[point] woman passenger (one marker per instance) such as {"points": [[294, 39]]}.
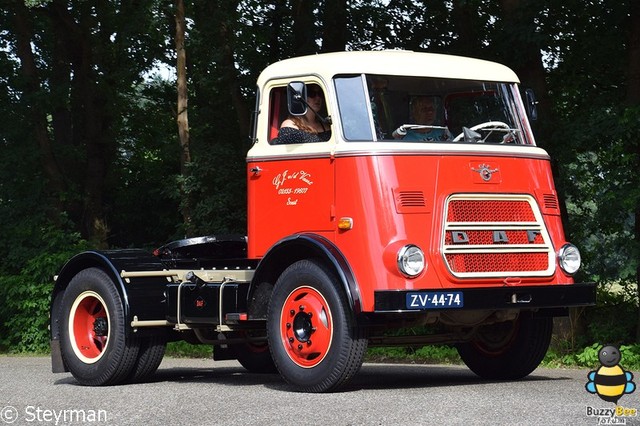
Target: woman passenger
{"points": [[308, 127]]}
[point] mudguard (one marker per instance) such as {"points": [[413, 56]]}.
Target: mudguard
{"points": [[142, 297], [298, 247]]}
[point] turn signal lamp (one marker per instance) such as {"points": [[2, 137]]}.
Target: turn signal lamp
{"points": [[345, 223]]}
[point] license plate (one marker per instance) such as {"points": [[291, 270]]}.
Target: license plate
{"points": [[435, 300]]}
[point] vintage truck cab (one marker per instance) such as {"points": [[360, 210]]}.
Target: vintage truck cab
{"points": [[423, 203]]}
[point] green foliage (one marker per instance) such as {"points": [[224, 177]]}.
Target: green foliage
{"points": [[187, 350], [215, 211], [143, 210], [630, 356], [614, 320], [24, 313], [588, 357], [418, 355], [445, 354], [35, 3]]}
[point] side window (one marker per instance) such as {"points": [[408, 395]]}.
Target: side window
{"points": [[352, 102], [277, 111], [311, 124]]}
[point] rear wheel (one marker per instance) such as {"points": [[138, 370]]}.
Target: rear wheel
{"points": [[149, 358], [255, 357], [93, 342], [508, 350], [314, 340]]}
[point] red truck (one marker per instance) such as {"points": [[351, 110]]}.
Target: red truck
{"points": [[447, 226]]}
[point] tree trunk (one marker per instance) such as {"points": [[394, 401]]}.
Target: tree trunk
{"points": [[334, 26], [182, 112], [468, 42], [526, 59], [225, 20], [275, 19], [231, 77], [32, 89], [304, 29]]}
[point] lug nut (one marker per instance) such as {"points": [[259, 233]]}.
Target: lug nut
{"points": [[292, 312], [288, 325], [309, 342], [301, 308], [290, 339], [300, 346]]}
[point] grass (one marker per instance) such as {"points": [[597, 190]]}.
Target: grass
{"points": [[411, 355], [422, 355], [187, 350], [555, 357]]}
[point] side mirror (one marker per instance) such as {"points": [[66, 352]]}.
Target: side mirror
{"points": [[531, 102], [296, 98]]}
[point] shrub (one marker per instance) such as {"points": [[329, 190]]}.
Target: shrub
{"points": [[630, 356], [614, 319], [24, 314]]}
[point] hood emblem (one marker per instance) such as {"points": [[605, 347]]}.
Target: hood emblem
{"points": [[485, 171]]}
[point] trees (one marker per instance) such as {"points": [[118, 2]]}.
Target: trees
{"points": [[89, 138], [78, 68]]}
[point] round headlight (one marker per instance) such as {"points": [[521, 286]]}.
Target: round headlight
{"points": [[411, 260], [569, 258]]}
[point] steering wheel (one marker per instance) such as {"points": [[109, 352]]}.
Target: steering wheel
{"points": [[491, 124]]}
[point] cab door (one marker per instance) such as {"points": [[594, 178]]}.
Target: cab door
{"points": [[290, 187]]}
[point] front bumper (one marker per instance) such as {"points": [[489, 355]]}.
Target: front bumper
{"points": [[497, 298]]}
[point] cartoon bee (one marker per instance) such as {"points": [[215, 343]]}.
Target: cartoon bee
{"points": [[610, 381]]}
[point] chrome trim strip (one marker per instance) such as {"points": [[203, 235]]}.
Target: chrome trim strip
{"points": [[282, 157], [528, 154]]}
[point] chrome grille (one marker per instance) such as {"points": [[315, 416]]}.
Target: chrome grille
{"points": [[496, 236]]}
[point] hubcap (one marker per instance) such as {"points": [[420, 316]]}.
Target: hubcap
{"points": [[306, 327], [89, 327]]}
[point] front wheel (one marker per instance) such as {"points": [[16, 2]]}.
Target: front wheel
{"points": [[93, 341], [313, 338], [508, 350]]}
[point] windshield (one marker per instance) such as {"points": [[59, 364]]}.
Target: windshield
{"points": [[419, 109]]}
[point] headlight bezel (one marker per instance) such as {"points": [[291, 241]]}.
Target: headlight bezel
{"points": [[569, 259], [411, 261]]}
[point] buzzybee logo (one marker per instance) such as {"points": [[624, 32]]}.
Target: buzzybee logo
{"points": [[610, 381]]}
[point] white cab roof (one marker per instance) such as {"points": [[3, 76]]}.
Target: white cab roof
{"points": [[389, 62]]}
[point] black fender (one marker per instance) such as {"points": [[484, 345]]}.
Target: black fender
{"points": [[290, 250], [143, 297]]}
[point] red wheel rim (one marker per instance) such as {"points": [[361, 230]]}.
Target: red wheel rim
{"points": [[89, 326], [306, 327]]}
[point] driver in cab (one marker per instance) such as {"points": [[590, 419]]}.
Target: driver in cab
{"points": [[423, 114]]}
